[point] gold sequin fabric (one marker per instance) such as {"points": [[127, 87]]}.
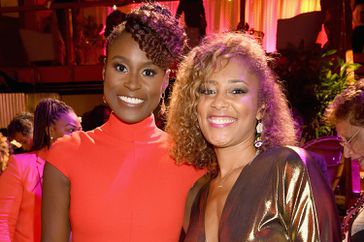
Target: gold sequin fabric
{"points": [[278, 197]]}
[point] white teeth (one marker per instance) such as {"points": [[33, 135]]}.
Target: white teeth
{"points": [[131, 100], [221, 120]]}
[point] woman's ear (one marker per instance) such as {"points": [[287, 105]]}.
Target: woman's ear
{"points": [[50, 131], [166, 80], [103, 72]]}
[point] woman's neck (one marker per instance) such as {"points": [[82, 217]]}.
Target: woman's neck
{"points": [[230, 158]]}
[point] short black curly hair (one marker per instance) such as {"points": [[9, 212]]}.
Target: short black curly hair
{"points": [[22, 123], [157, 32]]}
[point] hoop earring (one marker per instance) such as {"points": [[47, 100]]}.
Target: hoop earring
{"points": [[163, 105], [258, 142]]}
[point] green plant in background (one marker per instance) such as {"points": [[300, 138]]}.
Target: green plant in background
{"points": [[312, 78], [298, 69], [334, 76]]}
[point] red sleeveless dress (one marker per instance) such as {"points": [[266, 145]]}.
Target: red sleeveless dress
{"points": [[124, 185]]}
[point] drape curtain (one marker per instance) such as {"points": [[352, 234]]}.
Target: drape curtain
{"points": [[221, 15], [262, 15], [14, 103]]}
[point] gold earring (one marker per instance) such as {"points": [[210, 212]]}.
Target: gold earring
{"points": [[163, 105]]}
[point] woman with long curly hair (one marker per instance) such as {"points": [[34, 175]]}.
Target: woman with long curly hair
{"points": [[229, 115], [117, 182]]}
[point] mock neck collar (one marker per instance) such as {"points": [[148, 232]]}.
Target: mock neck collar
{"points": [[145, 130]]}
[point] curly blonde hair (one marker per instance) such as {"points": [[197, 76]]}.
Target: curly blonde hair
{"points": [[157, 32], [188, 143], [4, 153], [348, 105]]}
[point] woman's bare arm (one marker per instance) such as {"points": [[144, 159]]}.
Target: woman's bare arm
{"points": [[55, 206]]}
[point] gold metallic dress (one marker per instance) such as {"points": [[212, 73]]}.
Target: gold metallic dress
{"points": [[278, 197]]}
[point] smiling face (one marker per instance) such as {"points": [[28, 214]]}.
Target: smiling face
{"points": [[133, 84], [228, 104], [66, 124], [353, 140]]}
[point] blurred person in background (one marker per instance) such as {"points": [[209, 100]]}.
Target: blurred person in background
{"points": [[115, 18], [194, 18], [95, 117], [4, 152], [20, 129], [346, 113], [21, 182]]}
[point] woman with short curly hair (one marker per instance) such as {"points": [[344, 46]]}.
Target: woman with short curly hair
{"points": [[117, 182], [20, 129], [228, 114], [346, 113]]}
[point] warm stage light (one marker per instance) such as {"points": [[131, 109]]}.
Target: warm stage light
{"points": [[114, 7]]}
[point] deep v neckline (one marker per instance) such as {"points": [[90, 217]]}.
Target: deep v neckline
{"points": [[228, 198]]}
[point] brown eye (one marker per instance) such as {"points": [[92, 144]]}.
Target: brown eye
{"points": [[120, 68], [149, 72], [206, 91], [239, 91]]}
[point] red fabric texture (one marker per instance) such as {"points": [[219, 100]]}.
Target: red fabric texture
{"points": [[124, 186], [20, 198]]}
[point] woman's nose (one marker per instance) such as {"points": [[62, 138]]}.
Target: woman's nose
{"points": [[132, 82], [348, 153], [220, 101]]}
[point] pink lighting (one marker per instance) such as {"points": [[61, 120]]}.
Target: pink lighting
{"points": [[263, 15]]}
